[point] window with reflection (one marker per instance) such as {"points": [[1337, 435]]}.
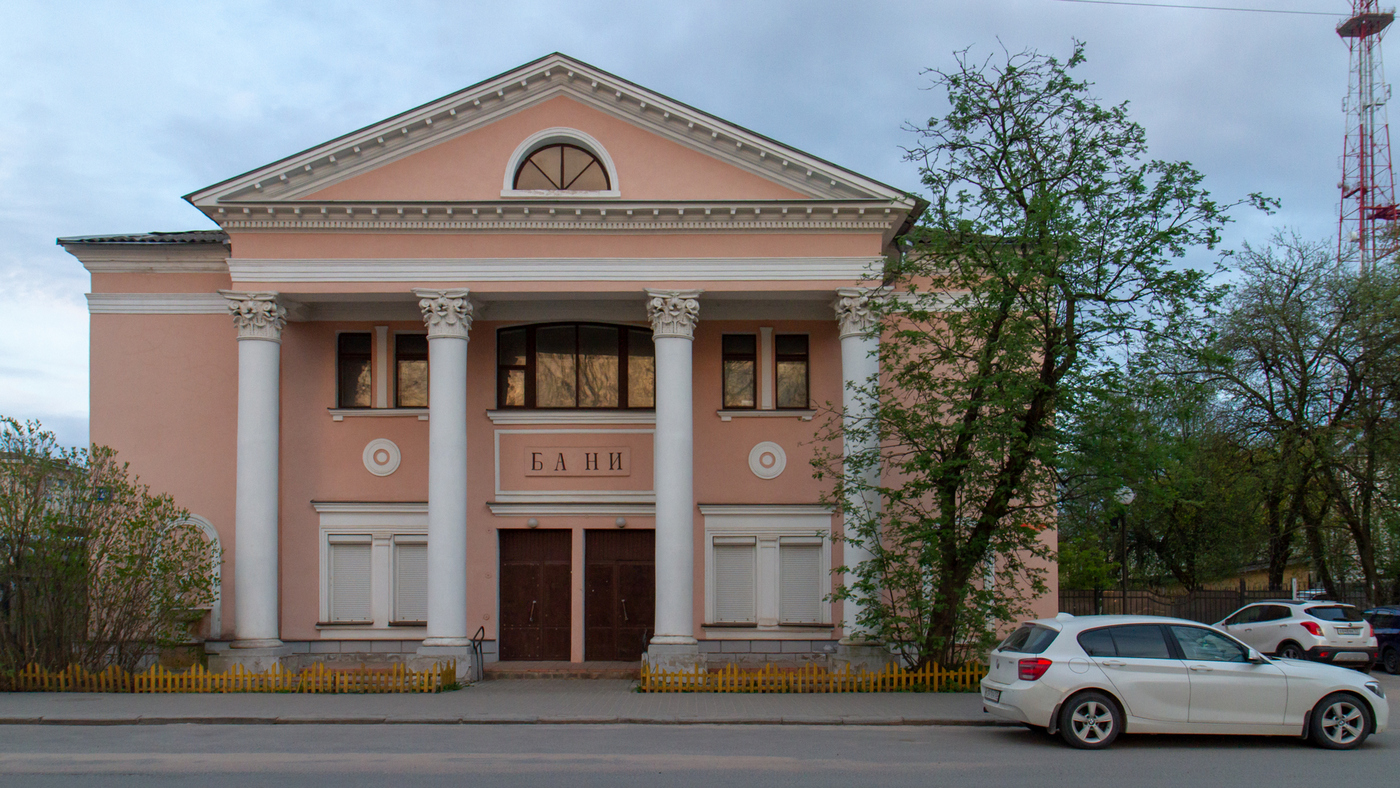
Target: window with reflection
{"points": [[562, 167], [740, 371], [790, 356], [410, 371], [575, 365], [352, 364]]}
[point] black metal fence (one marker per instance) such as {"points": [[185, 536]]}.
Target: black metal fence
{"points": [[1204, 606]]}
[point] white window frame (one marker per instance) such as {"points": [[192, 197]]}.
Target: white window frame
{"points": [[769, 526], [382, 524], [559, 134]]}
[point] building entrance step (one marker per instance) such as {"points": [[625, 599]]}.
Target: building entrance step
{"points": [[554, 669]]}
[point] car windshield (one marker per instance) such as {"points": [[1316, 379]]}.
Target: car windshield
{"points": [[1335, 613], [1029, 640]]}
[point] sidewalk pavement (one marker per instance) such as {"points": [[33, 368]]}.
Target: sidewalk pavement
{"points": [[498, 702]]}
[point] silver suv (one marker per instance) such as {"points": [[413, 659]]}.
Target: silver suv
{"points": [[1306, 629]]}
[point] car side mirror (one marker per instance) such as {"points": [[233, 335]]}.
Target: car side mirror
{"points": [[1255, 658]]}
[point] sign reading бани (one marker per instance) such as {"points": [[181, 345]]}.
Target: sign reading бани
{"points": [[578, 461]]}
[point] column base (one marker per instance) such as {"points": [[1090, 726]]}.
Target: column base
{"points": [[430, 655], [859, 655], [251, 659], [673, 654]]}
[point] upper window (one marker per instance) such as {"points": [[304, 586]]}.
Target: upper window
{"points": [[741, 371], [561, 167], [353, 370], [575, 365], [410, 371]]}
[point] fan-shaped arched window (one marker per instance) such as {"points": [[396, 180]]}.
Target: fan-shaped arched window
{"points": [[562, 167]]}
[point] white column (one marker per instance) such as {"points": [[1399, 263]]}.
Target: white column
{"points": [[259, 320], [448, 316], [674, 314], [860, 362]]}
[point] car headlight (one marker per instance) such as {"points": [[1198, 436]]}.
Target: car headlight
{"points": [[1375, 689]]}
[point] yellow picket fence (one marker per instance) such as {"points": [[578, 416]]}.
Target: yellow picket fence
{"points": [[892, 678], [317, 678]]}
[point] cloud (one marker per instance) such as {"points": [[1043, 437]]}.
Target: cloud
{"points": [[114, 111]]}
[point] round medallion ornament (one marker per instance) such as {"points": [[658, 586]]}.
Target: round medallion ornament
{"points": [[767, 460], [381, 457]]}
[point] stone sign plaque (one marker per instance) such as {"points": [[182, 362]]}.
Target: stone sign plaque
{"points": [[578, 461]]}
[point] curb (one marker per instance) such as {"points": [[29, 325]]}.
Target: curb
{"points": [[824, 721]]}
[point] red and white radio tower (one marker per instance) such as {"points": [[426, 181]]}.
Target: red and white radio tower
{"points": [[1365, 231]]}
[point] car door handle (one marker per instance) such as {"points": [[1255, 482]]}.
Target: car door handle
{"points": [[1112, 663], [1202, 668]]}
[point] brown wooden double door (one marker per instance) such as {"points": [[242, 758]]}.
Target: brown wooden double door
{"points": [[619, 604], [536, 566]]}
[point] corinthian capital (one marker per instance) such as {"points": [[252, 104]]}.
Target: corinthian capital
{"points": [[446, 313], [853, 311], [673, 313], [256, 315]]}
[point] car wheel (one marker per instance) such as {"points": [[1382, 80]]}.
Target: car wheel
{"points": [[1291, 651], [1340, 721], [1391, 660], [1090, 721]]}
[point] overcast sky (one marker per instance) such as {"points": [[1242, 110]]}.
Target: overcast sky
{"points": [[109, 112]]}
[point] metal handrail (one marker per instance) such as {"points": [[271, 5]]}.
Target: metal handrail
{"points": [[478, 667]]}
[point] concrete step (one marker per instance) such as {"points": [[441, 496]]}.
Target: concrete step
{"points": [[562, 670]]}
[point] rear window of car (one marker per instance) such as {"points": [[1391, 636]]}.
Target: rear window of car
{"points": [[1138, 641], [1029, 640], [1335, 613]]}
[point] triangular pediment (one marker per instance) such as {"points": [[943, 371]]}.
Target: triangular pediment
{"points": [[664, 150]]}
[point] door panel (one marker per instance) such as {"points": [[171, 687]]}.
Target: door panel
{"points": [[1137, 659], [620, 593], [535, 600], [1225, 686], [1153, 689]]}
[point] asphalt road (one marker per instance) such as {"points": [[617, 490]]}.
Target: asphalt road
{"points": [[577, 756]]}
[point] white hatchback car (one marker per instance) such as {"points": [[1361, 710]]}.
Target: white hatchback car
{"points": [[1092, 678]]}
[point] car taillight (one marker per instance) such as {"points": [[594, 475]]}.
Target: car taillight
{"points": [[1032, 669], [1370, 633], [1312, 628]]}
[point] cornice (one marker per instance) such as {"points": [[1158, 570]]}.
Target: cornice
{"points": [[564, 216], [157, 304], [531, 84], [151, 258], [518, 269]]}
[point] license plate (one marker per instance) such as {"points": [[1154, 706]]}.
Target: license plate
{"points": [[992, 695], [1351, 656], [1348, 630]]}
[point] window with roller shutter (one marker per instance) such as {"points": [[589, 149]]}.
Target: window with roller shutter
{"points": [[768, 568], [800, 576], [734, 580], [410, 580], [351, 583]]}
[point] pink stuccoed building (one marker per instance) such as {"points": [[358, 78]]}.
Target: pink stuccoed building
{"points": [[541, 362]]}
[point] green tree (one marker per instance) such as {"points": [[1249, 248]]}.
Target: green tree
{"points": [[1049, 247], [1307, 356], [95, 570]]}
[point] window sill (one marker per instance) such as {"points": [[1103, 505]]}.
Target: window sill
{"points": [[572, 416], [339, 414], [793, 413]]}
